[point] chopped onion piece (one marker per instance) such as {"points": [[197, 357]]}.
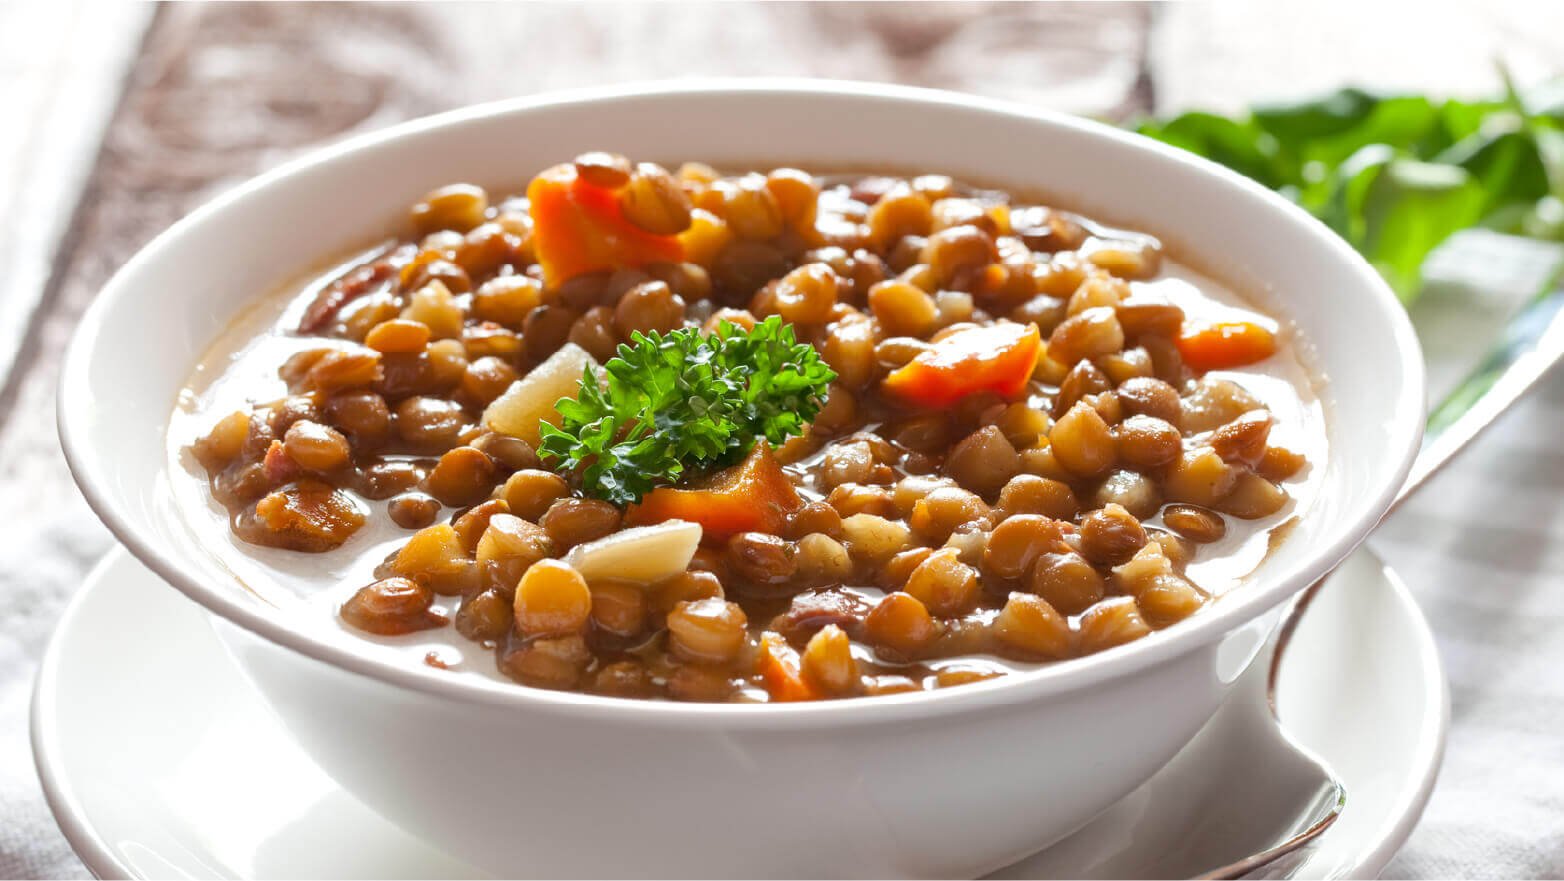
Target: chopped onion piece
{"points": [[645, 554]]}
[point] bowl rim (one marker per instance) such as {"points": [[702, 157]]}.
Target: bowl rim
{"points": [[1406, 414]]}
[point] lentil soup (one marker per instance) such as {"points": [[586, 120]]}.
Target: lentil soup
{"points": [[755, 437]]}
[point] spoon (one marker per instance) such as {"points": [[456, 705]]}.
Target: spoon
{"points": [[1532, 343]]}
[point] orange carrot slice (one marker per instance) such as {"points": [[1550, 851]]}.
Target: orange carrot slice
{"points": [[752, 496], [997, 358], [578, 228], [1226, 344], [781, 671]]}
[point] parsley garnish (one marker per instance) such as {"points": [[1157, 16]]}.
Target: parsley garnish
{"points": [[681, 403]]}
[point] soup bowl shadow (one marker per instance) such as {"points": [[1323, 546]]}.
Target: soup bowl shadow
{"points": [[525, 781]]}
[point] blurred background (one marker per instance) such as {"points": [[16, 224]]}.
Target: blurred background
{"points": [[120, 118]]}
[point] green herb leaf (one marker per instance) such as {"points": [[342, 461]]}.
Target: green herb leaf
{"points": [[1401, 209], [1397, 175], [1303, 121], [680, 403], [1238, 144]]}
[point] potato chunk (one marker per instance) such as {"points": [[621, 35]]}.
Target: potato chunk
{"points": [[530, 400]]}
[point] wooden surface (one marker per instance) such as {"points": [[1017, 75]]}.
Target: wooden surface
{"points": [[65, 54], [217, 93]]}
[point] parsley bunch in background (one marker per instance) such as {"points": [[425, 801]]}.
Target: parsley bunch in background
{"points": [[1395, 175], [676, 404]]}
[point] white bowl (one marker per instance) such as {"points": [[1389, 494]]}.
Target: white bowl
{"points": [[520, 780]]}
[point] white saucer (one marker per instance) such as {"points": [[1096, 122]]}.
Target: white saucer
{"points": [[160, 762]]}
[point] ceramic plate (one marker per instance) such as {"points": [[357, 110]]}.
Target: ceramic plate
{"points": [[160, 762]]}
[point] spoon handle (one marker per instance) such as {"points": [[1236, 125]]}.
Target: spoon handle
{"points": [[1533, 341]]}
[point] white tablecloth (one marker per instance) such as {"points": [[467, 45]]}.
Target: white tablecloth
{"points": [[1483, 550]]}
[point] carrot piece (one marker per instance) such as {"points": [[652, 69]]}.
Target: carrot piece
{"points": [[578, 228], [997, 358], [278, 466], [752, 496], [781, 671], [1225, 344]]}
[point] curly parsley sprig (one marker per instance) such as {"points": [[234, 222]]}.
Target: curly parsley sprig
{"points": [[680, 403]]}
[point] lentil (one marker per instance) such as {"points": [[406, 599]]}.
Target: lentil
{"points": [[1013, 516]]}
